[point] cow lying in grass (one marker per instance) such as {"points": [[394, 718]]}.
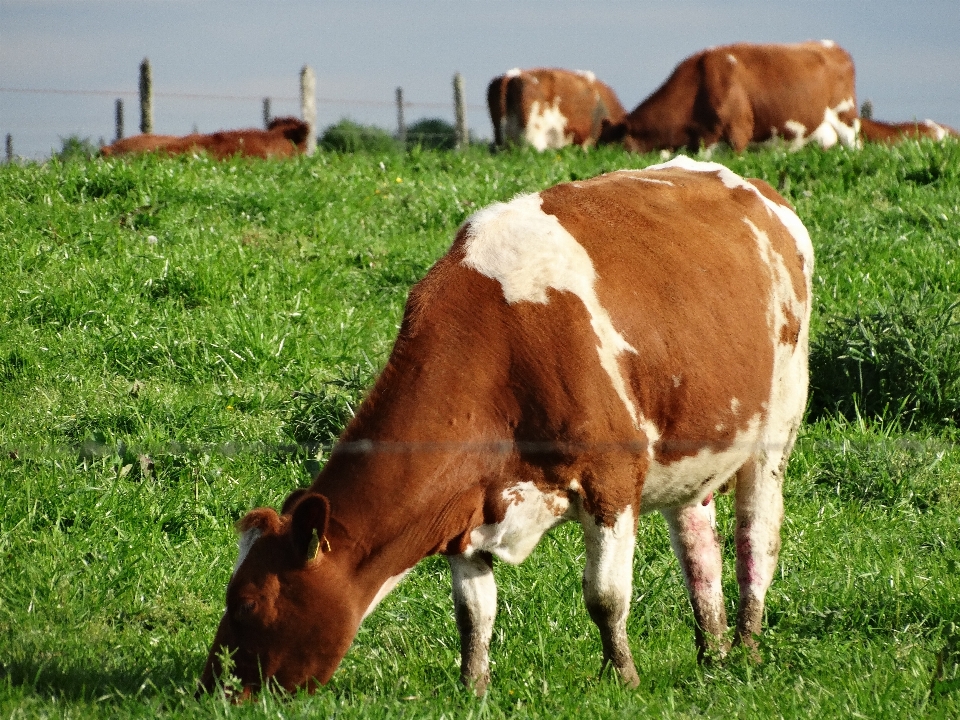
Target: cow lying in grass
{"points": [[889, 133], [285, 137], [595, 351], [741, 94]]}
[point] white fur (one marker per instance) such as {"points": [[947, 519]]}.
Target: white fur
{"points": [[588, 75], [528, 252], [384, 590], [546, 126], [247, 539], [530, 513], [731, 59], [939, 132], [828, 43], [512, 73]]}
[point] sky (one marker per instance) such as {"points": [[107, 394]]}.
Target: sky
{"points": [[63, 63]]}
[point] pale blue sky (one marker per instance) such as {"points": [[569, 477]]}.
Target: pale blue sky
{"points": [[907, 54]]}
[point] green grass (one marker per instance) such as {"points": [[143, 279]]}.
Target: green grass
{"points": [[181, 336]]}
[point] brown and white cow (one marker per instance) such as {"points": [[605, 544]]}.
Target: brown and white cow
{"points": [[592, 352], [883, 132], [550, 107], [741, 94], [284, 137]]}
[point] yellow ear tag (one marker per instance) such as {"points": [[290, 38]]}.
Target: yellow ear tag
{"points": [[313, 549]]}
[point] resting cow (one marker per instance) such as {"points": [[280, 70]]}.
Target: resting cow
{"points": [[889, 133], [595, 351], [742, 94], [285, 137], [550, 108]]}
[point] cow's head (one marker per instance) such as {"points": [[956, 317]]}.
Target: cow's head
{"points": [[293, 129], [291, 610]]}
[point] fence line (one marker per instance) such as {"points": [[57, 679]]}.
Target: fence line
{"points": [[244, 98]]}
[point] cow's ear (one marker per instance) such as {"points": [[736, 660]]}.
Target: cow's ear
{"points": [[309, 526]]}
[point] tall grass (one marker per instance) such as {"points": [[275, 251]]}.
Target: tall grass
{"points": [[182, 338]]}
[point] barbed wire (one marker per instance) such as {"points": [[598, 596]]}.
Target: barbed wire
{"points": [[243, 98], [91, 449]]}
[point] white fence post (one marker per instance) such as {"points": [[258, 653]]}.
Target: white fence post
{"points": [[146, 97], [308, 106], [460, 112]]}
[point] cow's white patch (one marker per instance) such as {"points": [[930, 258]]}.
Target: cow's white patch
{"points": [[734, 406], [692, 478], [546, 125], [587, 75], [512, 73], [731, 59], [247, 539], [384, 590], [530, 513], [475, 589], [528, 252], [798, 130], [833, 129], [608, 571], [939, 132], [828, 43]]}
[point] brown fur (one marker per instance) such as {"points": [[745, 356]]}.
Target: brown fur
{"points": [[285, 137], [883, 132], [583, 102], [479, 394], [709, 99]]}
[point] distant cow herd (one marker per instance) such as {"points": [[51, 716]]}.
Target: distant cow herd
{"points": [[735, 94]]}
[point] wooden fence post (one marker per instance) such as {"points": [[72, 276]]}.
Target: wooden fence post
{"points": [[460, 112], [401, 123], [308, 106], [9, 148], [866, 110], [146, 97], [118, 118], [266, 113]]}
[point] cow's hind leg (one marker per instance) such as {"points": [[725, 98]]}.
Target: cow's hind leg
{"points": [[758, 503], [607, 584], [475, 602], [693, 536]]}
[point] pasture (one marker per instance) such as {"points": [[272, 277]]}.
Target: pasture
{"points": [[182, 339]]}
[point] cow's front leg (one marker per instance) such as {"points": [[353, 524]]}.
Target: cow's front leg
{"points": [[475, 602], [607, 583], [693, 536], [759, 511]]}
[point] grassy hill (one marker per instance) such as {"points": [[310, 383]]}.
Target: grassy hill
{"points": [[181, 339]]}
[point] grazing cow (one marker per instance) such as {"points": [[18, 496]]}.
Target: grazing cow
{"points": [[598, 350], [747, 93], [890, 133], [550, 108], [285, 137]]}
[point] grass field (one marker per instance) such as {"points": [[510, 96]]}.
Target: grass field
{"points": [[179, 337]]}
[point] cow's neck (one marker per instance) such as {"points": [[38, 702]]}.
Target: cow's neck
{"points": [[406, 479]]}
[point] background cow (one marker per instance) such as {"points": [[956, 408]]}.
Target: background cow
{"points": [[591, 352], [747, 93], [889, 133], [550, 108], [285, 137]]}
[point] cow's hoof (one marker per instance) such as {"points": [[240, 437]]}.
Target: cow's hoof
{"points": [[751, 648]]}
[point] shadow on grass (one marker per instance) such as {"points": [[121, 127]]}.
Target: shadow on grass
{"points": [[50, 679]]}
